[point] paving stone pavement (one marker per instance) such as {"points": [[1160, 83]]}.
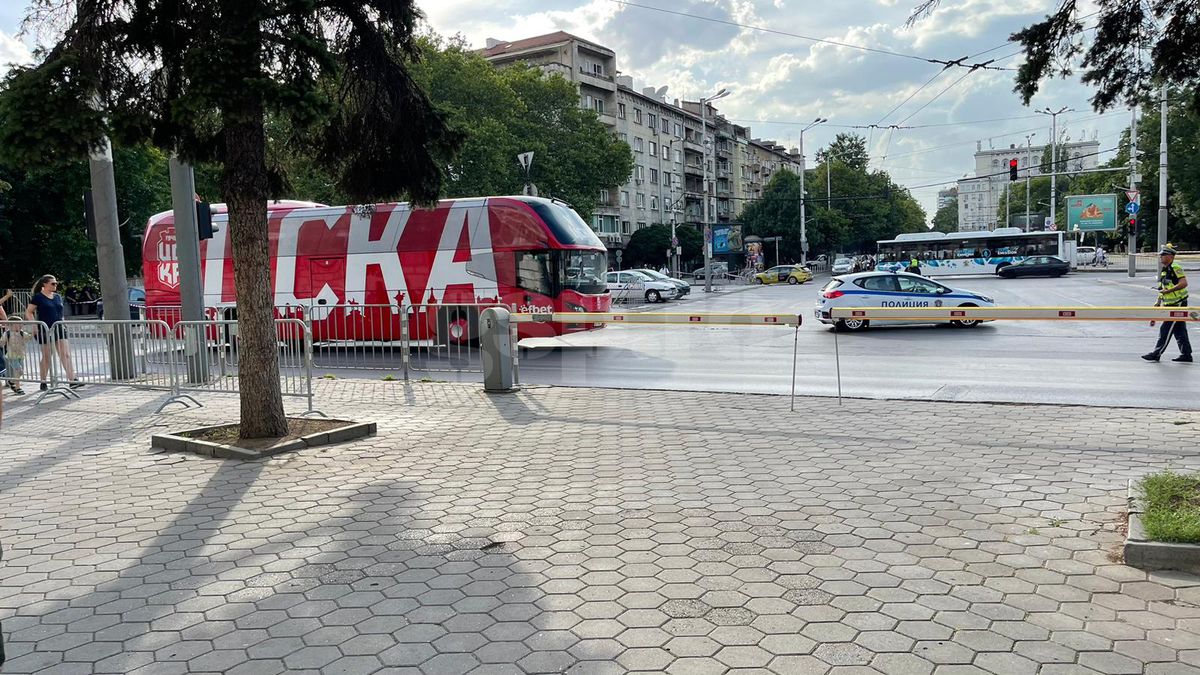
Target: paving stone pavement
{"points": [[585, 531]]}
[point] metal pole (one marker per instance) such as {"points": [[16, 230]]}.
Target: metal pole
{"points": [[1008, 205], [1162, 169], [187, 251], [1028, 171], [1053, 167], [795, 352], [803, 224], [110, 256], [1133, 176], [707, 229], [837, 360]]}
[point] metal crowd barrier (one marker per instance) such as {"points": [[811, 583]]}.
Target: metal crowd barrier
{"points": [[112, 353], [21, 337], [359, 337], [445, 338], [207, 360]]}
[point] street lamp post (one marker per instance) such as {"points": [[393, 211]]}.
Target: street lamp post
{"points": [[1028, 169], [671, 193], [707, 227], [803, 222], [1054, 158]]}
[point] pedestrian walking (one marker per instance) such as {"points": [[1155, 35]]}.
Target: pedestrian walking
{"points": [[46, 305], [664, 271], [1172, 292], [13, 342]]}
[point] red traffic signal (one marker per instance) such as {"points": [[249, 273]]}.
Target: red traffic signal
{"points": [[1012, 169]]}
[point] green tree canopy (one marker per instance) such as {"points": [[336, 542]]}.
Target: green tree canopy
{"points": [[946, 218], [861, 208]]}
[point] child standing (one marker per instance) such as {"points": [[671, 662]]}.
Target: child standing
{"points": [[13, 341]]}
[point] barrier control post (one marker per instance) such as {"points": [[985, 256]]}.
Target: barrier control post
{"points": [[496, 347]]}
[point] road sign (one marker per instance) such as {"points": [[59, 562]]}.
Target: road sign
{"points": [[674, 241], [1092, 213], [1133, 195], [620, 254], [1132, 207], [526, 159]]}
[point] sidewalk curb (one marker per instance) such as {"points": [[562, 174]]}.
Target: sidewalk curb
{"points": [[1144, 554]]}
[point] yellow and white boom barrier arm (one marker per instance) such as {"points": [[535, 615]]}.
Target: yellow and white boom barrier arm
{"points": [[661, 318], [1017, 313]]}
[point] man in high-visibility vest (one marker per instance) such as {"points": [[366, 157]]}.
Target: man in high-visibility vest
{"points": [[1172, 292]]}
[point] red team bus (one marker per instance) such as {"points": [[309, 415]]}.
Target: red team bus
{"points": [[356, 269]]}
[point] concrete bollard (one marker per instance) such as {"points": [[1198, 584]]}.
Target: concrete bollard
{"points": [[496, 347]]}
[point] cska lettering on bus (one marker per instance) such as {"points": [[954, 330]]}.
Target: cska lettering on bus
{"points": [[522, 251]]}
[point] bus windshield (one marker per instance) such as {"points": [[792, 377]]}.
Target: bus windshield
{"points": [[583, 271], [566, 225]]}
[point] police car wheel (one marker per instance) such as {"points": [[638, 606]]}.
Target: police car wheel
{"points": [[851, 325], [968, 323]]}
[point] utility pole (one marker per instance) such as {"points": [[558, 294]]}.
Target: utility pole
{"points": [[1028, 171], [1133, 185], [708, 235], [1162, 169], [110, 258], [187, 251], [1054, 159], [803, 196]]}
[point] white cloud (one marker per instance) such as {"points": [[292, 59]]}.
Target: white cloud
{"points": [[780, 80], [12, 52]]}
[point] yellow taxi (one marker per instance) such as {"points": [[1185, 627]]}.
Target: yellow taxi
{"points": [[792, 274]]}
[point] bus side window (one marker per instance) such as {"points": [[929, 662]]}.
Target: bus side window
{"points": [[533, 272]]}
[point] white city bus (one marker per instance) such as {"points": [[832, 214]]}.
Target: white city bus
{"points": [[969, 253]]}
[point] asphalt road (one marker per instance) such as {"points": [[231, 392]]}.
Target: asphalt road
{"points": [[1084, 363]]}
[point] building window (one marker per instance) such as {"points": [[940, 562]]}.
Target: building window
{"points": [[623, 137], [639, 172], [637, 144], [604, 197], [621, 110], [624, 227], [597, 70], [678, 156], [653, 203], [678, 130], [666, 152], [654, 176], [637, 115], [666, 126], [651, 120], [667, 178], [640, 201], [625, 198], [654, 149], [641, 225]]}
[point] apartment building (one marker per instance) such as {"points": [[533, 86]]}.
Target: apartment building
{"points": [[980, 196], [667, 137]]}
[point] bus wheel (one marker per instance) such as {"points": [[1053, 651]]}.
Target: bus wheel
{"points": [[851, 325], [966, 323]]}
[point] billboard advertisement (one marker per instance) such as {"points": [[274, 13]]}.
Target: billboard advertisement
{"points": [[1091, 213], [727, 239]]}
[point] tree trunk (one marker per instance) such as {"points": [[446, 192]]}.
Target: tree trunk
{"points": [[245, 178], [245, 185]]}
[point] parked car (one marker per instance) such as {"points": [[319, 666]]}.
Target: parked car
{"points": [[682, 286], [792, 274], [137, 303], [631, 285], [719, 269], [1085, 255], [1036, 266]]}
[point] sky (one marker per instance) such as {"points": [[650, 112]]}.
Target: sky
{"points": [[780, 81]]}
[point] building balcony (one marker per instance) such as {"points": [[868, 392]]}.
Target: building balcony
{"points": [[693, 146], [607, 118], [598, 80], [693, 169]]}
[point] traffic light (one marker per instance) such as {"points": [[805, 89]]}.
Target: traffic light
{"points": [[1012, 169]]}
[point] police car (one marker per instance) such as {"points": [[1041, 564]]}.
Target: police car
{"points": [[891, 289]]}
